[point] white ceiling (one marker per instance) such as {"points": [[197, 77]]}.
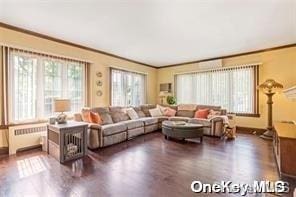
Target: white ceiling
{"points": [[159, 32]]}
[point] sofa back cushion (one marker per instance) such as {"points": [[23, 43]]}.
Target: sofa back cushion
{"points": [[187, 107], [185, 113], [106, 118], [139, 112], [145, 109], [100, 110], [213, 107], [118, 116]]}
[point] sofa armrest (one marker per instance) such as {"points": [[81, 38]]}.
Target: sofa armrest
{"points": [[94, 136], [199, 121]]}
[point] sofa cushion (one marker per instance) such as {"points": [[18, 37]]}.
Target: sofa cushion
{"points": [[106, 118], [213, 107], [185, 113], [162, 118], [131, 124], [115, 108], [187, 107], [111, 129], [149, 120], [145, 109], [100, 110], [204, 122], [118, 116], [178, 118], [139, 112]]}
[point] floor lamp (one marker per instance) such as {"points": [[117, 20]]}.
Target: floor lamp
{"points": [[269, 88]]}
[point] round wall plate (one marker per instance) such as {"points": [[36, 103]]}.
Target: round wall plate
{"points": [[99, 83], [99, 74], [99, 93]]}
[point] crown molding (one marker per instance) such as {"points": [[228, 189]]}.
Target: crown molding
{"points": [[32, 33], [29, 32], [230, 56]]}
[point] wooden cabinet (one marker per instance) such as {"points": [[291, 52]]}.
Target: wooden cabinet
{"points": [[284, 144]]}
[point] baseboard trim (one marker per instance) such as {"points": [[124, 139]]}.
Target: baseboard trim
{"points": [[29, 148], [4, 151], [250, 130]]}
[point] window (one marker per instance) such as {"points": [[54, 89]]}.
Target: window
{"points": [[36, 80], [128, 88], [232, 88]]}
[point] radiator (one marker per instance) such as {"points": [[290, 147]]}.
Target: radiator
{"points": [[25, 136]]}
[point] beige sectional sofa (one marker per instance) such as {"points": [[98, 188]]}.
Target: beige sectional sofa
{"points": [[117, 127]]}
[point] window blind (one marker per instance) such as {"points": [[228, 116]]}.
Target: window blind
{"points": [[127, 88], [232, 88], [35, 80]]}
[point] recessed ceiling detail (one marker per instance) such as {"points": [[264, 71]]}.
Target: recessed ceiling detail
{"points": [[159, 32]]}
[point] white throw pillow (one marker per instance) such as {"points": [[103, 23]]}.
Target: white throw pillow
{"points": [[132, 113], [161, 108], [155, 112]]}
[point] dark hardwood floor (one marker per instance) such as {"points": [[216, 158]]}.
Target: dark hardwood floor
{"points": [[145, 166]]}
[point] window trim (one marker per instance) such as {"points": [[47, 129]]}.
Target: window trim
{"points": [[256, 113], [128, 71]]}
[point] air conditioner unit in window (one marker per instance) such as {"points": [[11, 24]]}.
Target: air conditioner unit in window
{"points": [[208, 65]]}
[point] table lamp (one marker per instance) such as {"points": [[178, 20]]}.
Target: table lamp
{"points": [[62, 105], [162, 95], [269, 88]]}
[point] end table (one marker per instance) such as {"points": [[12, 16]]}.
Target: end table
{"points": [[67, 141]]}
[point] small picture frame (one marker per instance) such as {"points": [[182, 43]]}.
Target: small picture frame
{"points": [[99, 93], [99, 74]]}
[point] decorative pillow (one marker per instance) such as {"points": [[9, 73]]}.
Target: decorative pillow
{"points": [[155, 112], [169, 112], [215, 113], [106, 118], [95, 118], [132, 113], [161, 108], [202, 113], [145, 109], [85, 115]]}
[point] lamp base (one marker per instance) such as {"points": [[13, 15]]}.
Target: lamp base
{"points": [[267, 135], [61, 118]]}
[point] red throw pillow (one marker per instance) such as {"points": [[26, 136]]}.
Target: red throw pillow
{"points": [[169, 112], [95, 118], [202, 113]]}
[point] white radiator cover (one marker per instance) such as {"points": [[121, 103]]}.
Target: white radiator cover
{"points": [[23, 136]]}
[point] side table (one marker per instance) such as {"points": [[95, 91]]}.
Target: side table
{"points": [[67, 141]]}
